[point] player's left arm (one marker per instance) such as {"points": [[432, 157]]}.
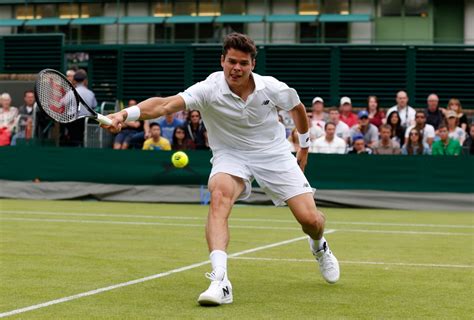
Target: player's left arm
{"points": [[298, 113]]}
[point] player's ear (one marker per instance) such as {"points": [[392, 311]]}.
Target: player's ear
{"points": [[253, 64], [222, 60]]}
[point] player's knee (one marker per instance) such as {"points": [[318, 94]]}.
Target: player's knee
{"points": [[314, 221], [220, 198]]}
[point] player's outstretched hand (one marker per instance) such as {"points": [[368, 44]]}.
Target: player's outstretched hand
{"points": [[118, 120], [302, 158]]}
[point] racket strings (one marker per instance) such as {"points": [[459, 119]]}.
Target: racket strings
{"points": [[56, 97]]}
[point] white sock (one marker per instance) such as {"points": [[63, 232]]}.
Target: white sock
{"points": [[317, 245], [219, 263]]}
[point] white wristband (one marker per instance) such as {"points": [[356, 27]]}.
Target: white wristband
{"points": [[304, 140], [133, 113]]}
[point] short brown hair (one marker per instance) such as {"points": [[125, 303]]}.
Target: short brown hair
{"points": [[239, 41]]}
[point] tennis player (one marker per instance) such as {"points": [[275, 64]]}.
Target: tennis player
{"points": [[239, 109]]}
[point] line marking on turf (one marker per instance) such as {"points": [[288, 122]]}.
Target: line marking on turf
{"points": [[402, 264], [231, 226], [234, 219], [152, 277]]}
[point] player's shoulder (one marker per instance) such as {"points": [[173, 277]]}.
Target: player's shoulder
{"points": [[214, 78], [269, 81]]}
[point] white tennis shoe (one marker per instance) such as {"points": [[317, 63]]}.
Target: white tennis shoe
{"points": [[328, 264], [219, 292]]}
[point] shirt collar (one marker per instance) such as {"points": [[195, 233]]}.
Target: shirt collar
{"points": [[259, 84]]}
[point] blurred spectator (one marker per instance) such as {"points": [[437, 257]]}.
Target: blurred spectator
{"points": [[314, 131], [196, 131], [28, 103], [398, 134], [376, 116], [358, 146], [181, 115], [130, 129], [386, 145], [468, 146], [8, 119], [455, 105], [287, 121], [180, 141], [74, 135], [156, 142], [366, 129], [319, 117], [434, 116], [414, 144], [168, 123], [347, 116], [294, 142], [70, 75], [426, 130], [445, 146], [329, 143], [455, 132], [405, 112], [342, 129]]}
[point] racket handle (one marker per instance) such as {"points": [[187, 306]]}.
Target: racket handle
{"points": [[103, 120]]}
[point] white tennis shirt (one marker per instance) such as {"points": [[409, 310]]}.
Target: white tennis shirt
{"points": [[234, 124]]}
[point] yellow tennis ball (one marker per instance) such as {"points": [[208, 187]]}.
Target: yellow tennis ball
{"points": [[179, 159]]}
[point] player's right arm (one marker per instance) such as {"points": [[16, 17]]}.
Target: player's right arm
{"points": [[148, 109]]}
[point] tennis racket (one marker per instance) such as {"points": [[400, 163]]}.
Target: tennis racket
{"points": [[58, 98]]}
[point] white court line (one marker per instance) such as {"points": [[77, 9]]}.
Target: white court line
{"points": [[152, 277], [232, 226], [234, 219], [401, 264]]}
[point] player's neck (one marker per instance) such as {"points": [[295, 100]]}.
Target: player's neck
{"points": [[244, 90]]}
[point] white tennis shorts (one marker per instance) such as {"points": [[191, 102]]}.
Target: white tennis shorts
{"points": [[278, 175]]}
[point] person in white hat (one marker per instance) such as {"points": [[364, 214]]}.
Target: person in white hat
{"points": [[347, 116], [319, 117]]}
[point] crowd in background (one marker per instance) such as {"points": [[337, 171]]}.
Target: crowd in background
{"points": [[399, 130]]}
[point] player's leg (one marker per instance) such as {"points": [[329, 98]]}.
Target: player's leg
{"points": [[225, 190], [312, 222]]}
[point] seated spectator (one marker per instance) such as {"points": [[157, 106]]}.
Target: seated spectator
{"points": [[25, 119], [156, 142], [287, 121], [398, 134], [342, 129], [405, 112], [319, 117], [386, 145], [168, 123], [468, 146], [70, 75], [294, 141], [329, 143], [426, 130], [314, 131], [180, 141], [433, 114], [129, 130], [414, 144], [347, 116], [455, 105], [366, 129], [358, 146], [196, 131], [376, 116], [455, 132], [445, 146], [8, 119]]}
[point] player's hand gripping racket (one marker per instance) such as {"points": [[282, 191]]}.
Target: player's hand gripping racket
{"points": [[56, 96]]}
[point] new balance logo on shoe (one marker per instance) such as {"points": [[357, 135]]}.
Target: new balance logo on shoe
{"points": [[226, 291], [264, 103]]}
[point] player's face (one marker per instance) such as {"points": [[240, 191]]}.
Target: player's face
{"points": [[237, 67]]}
